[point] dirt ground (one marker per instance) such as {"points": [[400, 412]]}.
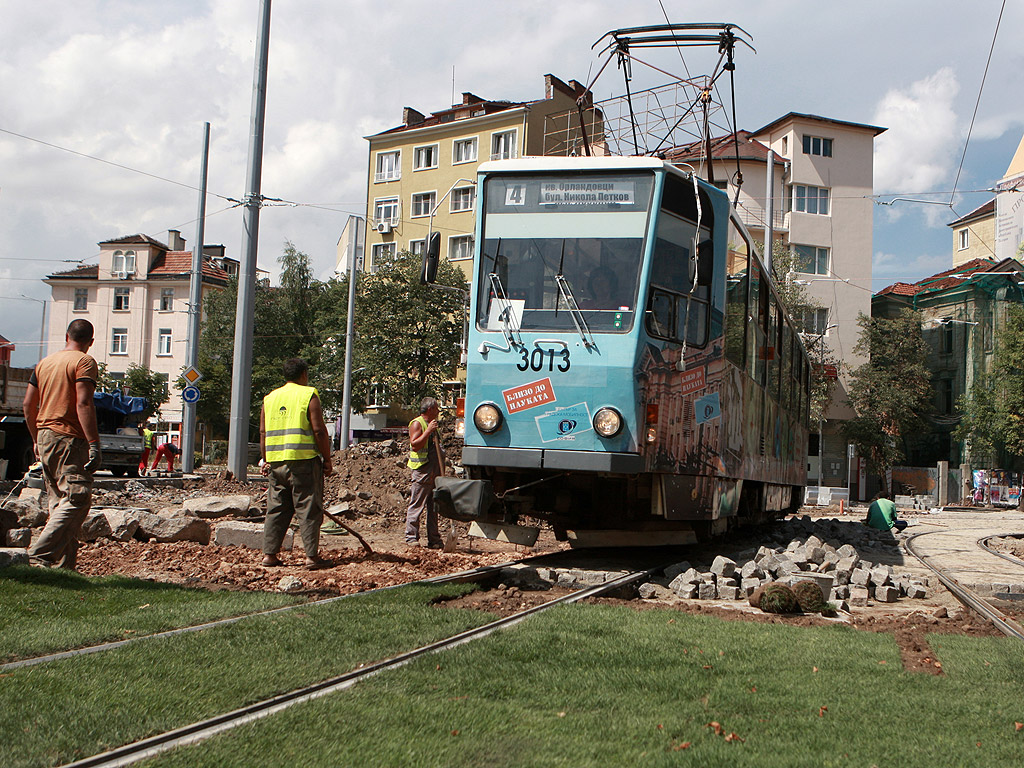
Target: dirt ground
{"points": [[371, 483]]}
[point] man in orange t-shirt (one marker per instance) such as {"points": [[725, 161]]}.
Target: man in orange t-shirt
{"points": [[61, 417]]}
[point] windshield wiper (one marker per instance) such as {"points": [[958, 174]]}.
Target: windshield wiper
{"points": [[507, 315], [574, 310]]}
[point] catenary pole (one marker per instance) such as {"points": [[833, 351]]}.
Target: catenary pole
{"points": [[241, 379], [346, 398], [769, 210], [195, 308]]}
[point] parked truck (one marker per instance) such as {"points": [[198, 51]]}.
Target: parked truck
{"points": [[117, 418], [15, 440]]}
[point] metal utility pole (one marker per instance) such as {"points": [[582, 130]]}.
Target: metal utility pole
{"points": [[241, 380], [350, 337], [195, 300], [769, 212]]}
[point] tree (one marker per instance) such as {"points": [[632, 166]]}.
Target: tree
{"points": [[138, 381], [891, 393], [283, 327], [408, 334], [992, 412]]}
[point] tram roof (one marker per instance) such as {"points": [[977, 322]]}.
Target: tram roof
{"points": [[552, 163]]}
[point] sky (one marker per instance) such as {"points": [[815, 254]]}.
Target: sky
{"points": [[104, 103]]}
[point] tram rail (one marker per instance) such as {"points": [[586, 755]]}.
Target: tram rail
{"points": [[967, 596], [474, 574], [196, 732]]}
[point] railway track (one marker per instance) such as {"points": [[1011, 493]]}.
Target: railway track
{"points": [[965, 594], [475, 574], [195, 732]]}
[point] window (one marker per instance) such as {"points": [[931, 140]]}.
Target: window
{"points": [[464, 151], [380, 254], [417, 247], [815, 145], [462, 199], [165, 381], [460, 247], [124, 261], [964, 239], [944, 396], [385, 210], [503, 145], [389, 166], [805, 199], [814, 321], [946, 337], [122, 299], [424, 157], [166, 299], [785, 146], [164, 342], [81, 299], [377, 396], [737, 268], [119, 341], [811, 259], [423, 203]]}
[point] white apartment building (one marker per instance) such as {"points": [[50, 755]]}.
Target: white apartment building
{"points": [[137, 298], [822, 182]]}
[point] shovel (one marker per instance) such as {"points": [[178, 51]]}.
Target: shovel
{"points": [[338, 521], [453, 535]]}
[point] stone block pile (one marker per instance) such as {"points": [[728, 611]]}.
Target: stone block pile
{"points": [[835, 554], [22, 519]]}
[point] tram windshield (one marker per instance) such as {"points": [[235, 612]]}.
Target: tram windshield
{"points": [[558, 248]]}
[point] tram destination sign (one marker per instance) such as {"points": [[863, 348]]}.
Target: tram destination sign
{"points": [[597, 192]]}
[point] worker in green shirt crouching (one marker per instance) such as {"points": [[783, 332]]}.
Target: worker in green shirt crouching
{"points": [[882, 514]]}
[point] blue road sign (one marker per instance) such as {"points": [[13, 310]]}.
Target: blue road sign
{"points": [[190, 394]]}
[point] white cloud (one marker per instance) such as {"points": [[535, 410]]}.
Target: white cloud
{"points": [[918, 152]]}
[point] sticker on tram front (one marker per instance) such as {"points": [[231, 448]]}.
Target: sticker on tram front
{"points": [[528, 396], [564, 423]]}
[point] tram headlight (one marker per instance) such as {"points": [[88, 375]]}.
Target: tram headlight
{"points": [[487, 418], [607, 422]]}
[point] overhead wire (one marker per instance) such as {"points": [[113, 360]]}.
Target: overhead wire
{"points": [[977, 102]]}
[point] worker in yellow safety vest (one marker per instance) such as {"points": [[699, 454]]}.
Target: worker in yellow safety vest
{"points": [[426, 460], [296, 456]]}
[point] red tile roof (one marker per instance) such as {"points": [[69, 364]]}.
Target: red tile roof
{"points": [[950, 278], [986, 209], [85, 271], [177, 263], [722, 148]]}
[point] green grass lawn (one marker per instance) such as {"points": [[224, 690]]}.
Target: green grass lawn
{"points": [[47, 610], [61, 711], [606, 686]]}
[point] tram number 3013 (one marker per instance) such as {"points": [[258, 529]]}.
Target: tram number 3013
{"points": [[536, 359]]}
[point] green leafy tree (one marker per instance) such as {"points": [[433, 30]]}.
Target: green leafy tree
{"points": [[138, 381], [891, 393], [992, 412], [283, 327], [408, 335]]}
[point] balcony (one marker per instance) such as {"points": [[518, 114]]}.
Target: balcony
{"points": [[753, 218]]}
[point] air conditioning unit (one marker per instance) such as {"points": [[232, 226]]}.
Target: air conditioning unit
{"points": [[123, 275], [384, 227]]}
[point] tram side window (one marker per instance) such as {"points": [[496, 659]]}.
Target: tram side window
{"points": [[680, 297], [757, 320], [788, 390], [737, 267], [773, 351]]}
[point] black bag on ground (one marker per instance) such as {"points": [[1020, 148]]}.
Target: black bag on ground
{"points": [[464, 500]]}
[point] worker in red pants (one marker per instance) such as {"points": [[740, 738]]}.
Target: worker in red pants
{"points": [[168, 450]]}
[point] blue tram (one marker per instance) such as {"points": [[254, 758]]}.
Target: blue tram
{"points": [[632, 375]]}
